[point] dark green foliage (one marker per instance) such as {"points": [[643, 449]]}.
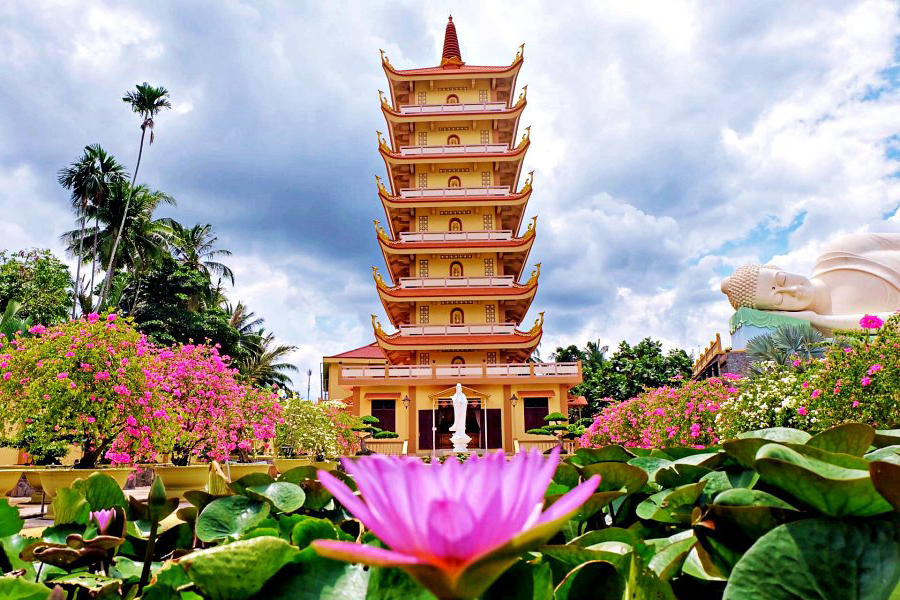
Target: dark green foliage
{"points": [[39, 281]]}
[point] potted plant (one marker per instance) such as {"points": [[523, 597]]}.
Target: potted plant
{"points": [[371, 431], [556, 428], [314, 434]]}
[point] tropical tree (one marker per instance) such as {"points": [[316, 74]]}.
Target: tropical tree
{"points": [[195, 247], [785, 346], [39, 281], [265, 364], [147, 101], [11, 324], [89, 179]]}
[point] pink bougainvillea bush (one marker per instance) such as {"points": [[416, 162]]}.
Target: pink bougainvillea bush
{"points": [[204, 411], [75, 383], [666, 416]]}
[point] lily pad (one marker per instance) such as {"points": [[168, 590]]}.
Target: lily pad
{"points": [[611, 453], [238, 570], [616, 476], [563, 558], [593, 579], [650, 464], [832, 490], [298, 474], [230, 516], [101, 491], [239, 486], [886, 437], [886, 454], [16, 588], [680, 474], [10, 521], [523, 581], [566, 475], [849, 438], [821, 558], [886, 479], [70, 506], [308, 530], [284, 497], [671, 506]]}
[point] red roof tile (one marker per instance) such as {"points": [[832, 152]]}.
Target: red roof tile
{"points": [[370, 351], [578, 401]]}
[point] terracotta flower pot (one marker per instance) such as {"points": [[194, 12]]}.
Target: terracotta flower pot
{"points": [[179, 480], [286, 464], [9, 477]]}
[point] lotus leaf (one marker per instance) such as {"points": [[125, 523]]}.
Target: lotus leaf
{"points": [[311, 529], [821, 558], [70, 506], [16, 588], [101, 491], [886, 479], [10, 521], [615, 476], [886, 437], [284, 497], [593, 579], [611, 453], [671, 506], [530, 580], [650, 464], [239, 486], [832, 490], [230, 516], [563, 558], [849, 438]]}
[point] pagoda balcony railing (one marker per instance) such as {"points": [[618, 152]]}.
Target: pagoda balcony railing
{"points": [[418, 283], [491, 190], [418, 109], [456, 236], [479, 329], [510, 370], [454, 149]]}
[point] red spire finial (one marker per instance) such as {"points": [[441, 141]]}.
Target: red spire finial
{"points": [[451, 54]]}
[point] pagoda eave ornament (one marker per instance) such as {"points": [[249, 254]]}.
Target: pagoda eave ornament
{"points": [[538, 324], [535, 274], [379, 281], [376, 325], [525, 137], [526, 187], [519, 55], [380, 230]]}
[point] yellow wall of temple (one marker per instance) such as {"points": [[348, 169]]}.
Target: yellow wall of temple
{"points": [[469, 219], [473, 265], [440, 92], [469, 175], [461, 132], [439, 312]]}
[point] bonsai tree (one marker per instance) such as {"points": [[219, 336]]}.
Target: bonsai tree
{"points": [[322, 430], [555, 428], [370, 430]]}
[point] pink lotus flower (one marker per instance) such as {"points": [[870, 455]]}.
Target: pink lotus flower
{"points": [[871, 322], [453, 527], [103, 518]]}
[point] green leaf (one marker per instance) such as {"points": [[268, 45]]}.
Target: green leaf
{"points": [[239, 486], [650, 464], [317, 497], [129, 571], [238, 570], [593, 579], [825, 559], [284, 497], [524, 580], [387, 583], [886, 479], [12, 546], [299, 474], [849, 438], [95, 585], [887, 454], [169, 578], [669, 557], [610, 534], [566, 475], [643, 583], [680, 474], [16, 588], [101, 491], [744, 448], [311, 529], [886, 437], [611, 453], [777, 434], [563, 558], [10, 521], [556, 489], [230, 516], [671, 506], [615, 476], [318, 579], [70, 506], [832, 490]]}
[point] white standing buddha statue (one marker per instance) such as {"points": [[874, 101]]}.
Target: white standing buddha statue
{"points": [[858, 274], [460, 405]]}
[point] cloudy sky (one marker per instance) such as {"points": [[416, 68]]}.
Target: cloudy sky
{"points": [[671, 141]]}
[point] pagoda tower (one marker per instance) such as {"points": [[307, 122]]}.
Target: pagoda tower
{"points": [[456, 248]]}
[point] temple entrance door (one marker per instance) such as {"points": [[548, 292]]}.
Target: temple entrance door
{"points": [[443, 419]]}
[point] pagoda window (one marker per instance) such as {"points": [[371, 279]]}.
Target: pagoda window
{"points": [[452, 140], [488, 222], [489, 267], [482, 96], [492, 358], [452, 99], [423, 268], [490, 313], [535, 411], [423, 180], [454, 182], [423, 314], [455, 225], [458, 360], [485, 175], [421, 98], [457, 317], [423, 138], [485, 136], [385, 411], [423, 222], [424, 358], [456, 269]]}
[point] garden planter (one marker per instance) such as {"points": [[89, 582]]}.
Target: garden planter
{"points": [[179, 480], [33, 478], [235, 471], [286, 464], [55, 479], [8, 479]]}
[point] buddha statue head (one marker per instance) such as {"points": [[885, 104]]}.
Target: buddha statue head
{"points": [[767, 287]]}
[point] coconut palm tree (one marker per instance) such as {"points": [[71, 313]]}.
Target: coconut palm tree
{"points": [[265, 364], [144, 239], [89, 178], [195, 247], [147, 101]]}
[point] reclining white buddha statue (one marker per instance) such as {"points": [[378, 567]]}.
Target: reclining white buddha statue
{"points": [[858, 274]]}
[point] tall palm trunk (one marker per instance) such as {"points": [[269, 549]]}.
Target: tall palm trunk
{"points": [[78, 264], [112, 256], [94, 258]]}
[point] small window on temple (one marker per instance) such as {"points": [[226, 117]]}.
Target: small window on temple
{"points": [[423, 314], [452, 140], [423, 222], [424, 358], [423, 138], [423, 180], [485, 136], [452, 99], [454, 182], [486, 178], [423, 268], [488, 222], [492, 358], [490, 313], [421, 97], [535, 411], [482, 96], [457, 317], [489, 267], [456, 269], [455, 225], [458, 360]]}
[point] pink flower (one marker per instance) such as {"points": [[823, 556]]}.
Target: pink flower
{"points": [[802, 411], [445, 522], [871, 322], [62, 375], [103, 518], [815, 394], [37, 329], [874, 369], [855, 403], [93, 318], [796, 363], [110, 318], [6, 376], [865, 381]]}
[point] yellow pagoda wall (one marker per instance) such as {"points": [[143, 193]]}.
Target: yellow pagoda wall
{"points": [[467, 132], [471, 219], [472, 263], [462, 88], [470, 174], [439, 314]]}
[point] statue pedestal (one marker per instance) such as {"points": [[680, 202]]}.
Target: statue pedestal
{"points": [[748, 323], [460, 442]]}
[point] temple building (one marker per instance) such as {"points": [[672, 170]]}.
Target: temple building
{"points": [[456, 245]]}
